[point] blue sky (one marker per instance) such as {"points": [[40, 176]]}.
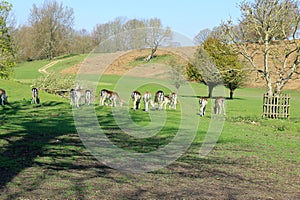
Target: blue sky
{"points": [[186, 17]]}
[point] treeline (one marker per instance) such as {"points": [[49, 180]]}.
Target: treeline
{"points": [[49, 33]]}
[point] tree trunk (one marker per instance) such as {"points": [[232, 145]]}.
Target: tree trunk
{"points": [[151, 55], [266, 66], [153, 50], [231, 94], [278, 88], [210, 90]]}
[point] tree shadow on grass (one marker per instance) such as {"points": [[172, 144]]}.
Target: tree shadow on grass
{"points": [[27, 129], [44, 138]]}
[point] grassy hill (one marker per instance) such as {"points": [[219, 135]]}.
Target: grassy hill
{"points": [[42, 155]]}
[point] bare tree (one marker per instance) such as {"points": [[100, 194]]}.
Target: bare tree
{"points": [[176, 75], [268, 29], [52, 24], [23, 37], [100, 33], [205, 65], [122, 34], [81, 42], [136, 33], [156, 36], [202, 36]]}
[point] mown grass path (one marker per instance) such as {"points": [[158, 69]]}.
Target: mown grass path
{"points": [[43, 70]]}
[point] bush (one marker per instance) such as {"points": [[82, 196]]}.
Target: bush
{"points": [[58, 84]]}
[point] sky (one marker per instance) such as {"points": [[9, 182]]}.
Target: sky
{"points": [[186, 17]]}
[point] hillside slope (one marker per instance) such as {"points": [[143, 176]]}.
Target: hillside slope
{"points": [[119, 63]]}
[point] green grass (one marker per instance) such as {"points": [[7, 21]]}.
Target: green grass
{"points": [[66, 62], [43, 157], [29, 70]]}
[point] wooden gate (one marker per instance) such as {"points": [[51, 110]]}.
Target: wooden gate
{"points": [[276, 106]]}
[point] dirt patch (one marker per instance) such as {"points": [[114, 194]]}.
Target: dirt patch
{"points": [[119, 63]]}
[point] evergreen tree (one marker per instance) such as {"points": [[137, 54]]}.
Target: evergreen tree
{"points": [[7, 51]]}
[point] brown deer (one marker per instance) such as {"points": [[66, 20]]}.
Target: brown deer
{"points": [[219, 106]]}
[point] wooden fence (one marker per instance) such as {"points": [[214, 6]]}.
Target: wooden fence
{"points": [[276, 106]]}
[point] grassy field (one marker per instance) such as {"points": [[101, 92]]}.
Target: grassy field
{"points": [[43, 157]]}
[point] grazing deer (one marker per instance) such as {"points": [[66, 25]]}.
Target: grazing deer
{"points": [[219, 106], [173, 100], [147, 100], [88, 97], [104, 97], [165, 102], [73, 98], [3, 97], [76, 96], [203, 102], [159, 99], [113, 97], [136, 97], [35, 96]]}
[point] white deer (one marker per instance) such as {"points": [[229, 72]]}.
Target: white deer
{"points": [[159, 99], [203, 102], [147, 100], [136, 98], [173, 100], [76, 96], [88, 97]]}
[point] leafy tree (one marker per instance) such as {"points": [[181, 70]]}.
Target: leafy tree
{"points": [[7, 49], [192, 73], [267, 29], [227, 63]]}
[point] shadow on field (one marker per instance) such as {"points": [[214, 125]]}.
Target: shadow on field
{"points": [[214, 97], [27, 130], [42, 157]]}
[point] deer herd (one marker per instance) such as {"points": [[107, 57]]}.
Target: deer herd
{"points": [[159, 102], [111, 98]]}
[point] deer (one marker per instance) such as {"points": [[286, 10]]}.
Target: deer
{"points": [[35, 96], [147, 100], [136, 98], [219, 106], [203, 102], [159, 99], [3, 97]]}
